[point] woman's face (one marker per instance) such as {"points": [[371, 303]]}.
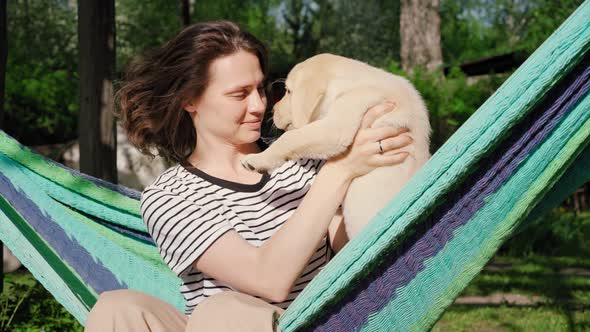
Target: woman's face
{"points": [[233, 104]]}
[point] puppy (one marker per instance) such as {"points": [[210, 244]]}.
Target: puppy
{"points": [[326, 98]]}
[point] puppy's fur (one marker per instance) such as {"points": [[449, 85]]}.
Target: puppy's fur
{"points": [[327, 96]]}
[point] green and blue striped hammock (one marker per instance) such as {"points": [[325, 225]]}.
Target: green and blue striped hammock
{"points": [[518, 156]]}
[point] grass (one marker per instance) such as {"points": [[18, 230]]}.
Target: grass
{"points": [[504, 318], [563, 291], [549, 262], [26, 306]]}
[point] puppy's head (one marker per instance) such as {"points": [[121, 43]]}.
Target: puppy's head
{"points": [[305, 88]]}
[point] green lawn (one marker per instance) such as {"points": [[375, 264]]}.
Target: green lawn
{"points": [[560, 285]]}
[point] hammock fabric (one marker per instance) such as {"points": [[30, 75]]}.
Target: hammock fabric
{"points": [[519, 155]]}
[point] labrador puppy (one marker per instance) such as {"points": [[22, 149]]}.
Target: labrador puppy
{"points": [[326, 98]]}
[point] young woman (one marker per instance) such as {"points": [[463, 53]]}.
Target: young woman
{"points": [[244, 244]]}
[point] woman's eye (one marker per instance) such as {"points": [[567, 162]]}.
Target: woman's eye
{"points": [[240, 95], [245, 93]]}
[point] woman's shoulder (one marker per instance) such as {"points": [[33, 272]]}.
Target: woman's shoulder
{"points": [[171, 174], [172, 177]]}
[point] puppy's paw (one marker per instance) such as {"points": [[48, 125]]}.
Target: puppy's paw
{"points": [[260, 162]]}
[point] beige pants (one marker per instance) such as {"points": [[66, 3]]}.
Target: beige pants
{"points": [[129, 310]]}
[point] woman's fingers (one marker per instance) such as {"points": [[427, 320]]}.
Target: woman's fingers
{"points": [[394, 143], [381, 133], [389, 149], [376, 112], [389, 159]]}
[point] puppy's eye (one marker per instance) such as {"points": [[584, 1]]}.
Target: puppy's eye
{"points": [[287, 91]]}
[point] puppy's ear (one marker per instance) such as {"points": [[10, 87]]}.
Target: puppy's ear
{"points": [[307, 99]]}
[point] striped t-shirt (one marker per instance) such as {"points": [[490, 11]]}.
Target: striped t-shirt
{"points": [[186, 210]]}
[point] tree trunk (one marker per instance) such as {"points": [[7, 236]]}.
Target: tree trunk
{"points": [[420, 34], [3, 57], [185, 12], [96, 123]]}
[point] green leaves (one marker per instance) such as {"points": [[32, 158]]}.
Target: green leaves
{"points": [[474, 29], [26, 306], [450, 100], [41, 79]]}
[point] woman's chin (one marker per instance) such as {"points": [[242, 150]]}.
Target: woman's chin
{"points": [[251, 136]]}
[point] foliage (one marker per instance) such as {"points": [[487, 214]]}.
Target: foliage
{"points": [[365, 30], [474, 29], [558, 233], [258, 17], [142, 25], [26, 306], [41, 80], [450, 100]]}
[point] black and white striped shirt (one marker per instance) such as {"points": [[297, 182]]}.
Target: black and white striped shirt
{"points": [[186, 210]]}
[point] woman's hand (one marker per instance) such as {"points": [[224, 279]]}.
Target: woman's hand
{"points": [[364, 154]]}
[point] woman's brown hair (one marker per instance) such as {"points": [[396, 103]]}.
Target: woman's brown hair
{"points": [[160, 84]]}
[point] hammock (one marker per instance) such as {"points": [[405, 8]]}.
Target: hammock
{"points": [[518, 156]]}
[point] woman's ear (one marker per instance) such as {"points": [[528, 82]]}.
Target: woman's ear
{"points": [[191, 107]]}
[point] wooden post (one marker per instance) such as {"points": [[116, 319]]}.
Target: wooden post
{"points": [[185, 12], [96, 123], [3, 59]]}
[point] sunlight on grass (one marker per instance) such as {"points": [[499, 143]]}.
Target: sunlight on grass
{"points": [[463, 318]]}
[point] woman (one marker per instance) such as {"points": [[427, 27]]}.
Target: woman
{"points": [[243, 243]]}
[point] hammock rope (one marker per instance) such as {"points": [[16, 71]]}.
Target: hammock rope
{"points": [[519, 155]]}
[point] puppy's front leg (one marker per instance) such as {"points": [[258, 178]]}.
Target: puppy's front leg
{"points": [[320, 139]]}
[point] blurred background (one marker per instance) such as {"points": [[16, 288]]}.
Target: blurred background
{"points": [[61, 62]]}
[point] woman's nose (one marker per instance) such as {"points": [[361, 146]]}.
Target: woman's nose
{"points": [[257, 102]]}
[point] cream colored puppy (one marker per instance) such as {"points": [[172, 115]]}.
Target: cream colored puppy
{"points": [[326, 98]]}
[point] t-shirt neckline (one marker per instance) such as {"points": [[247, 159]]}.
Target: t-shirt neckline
{"points": [[236, 186]]}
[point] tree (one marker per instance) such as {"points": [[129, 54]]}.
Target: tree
{"points": [[475, 29], [41, 84], [3, 57], [299, 17], [420, 34], [364, 30], [96, 125], [185, 12]]}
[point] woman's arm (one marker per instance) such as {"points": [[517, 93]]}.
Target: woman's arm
{"points": [[270, 270], [337, 232]]}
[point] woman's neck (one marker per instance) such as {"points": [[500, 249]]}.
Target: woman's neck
{"points": [[222, 159]]}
